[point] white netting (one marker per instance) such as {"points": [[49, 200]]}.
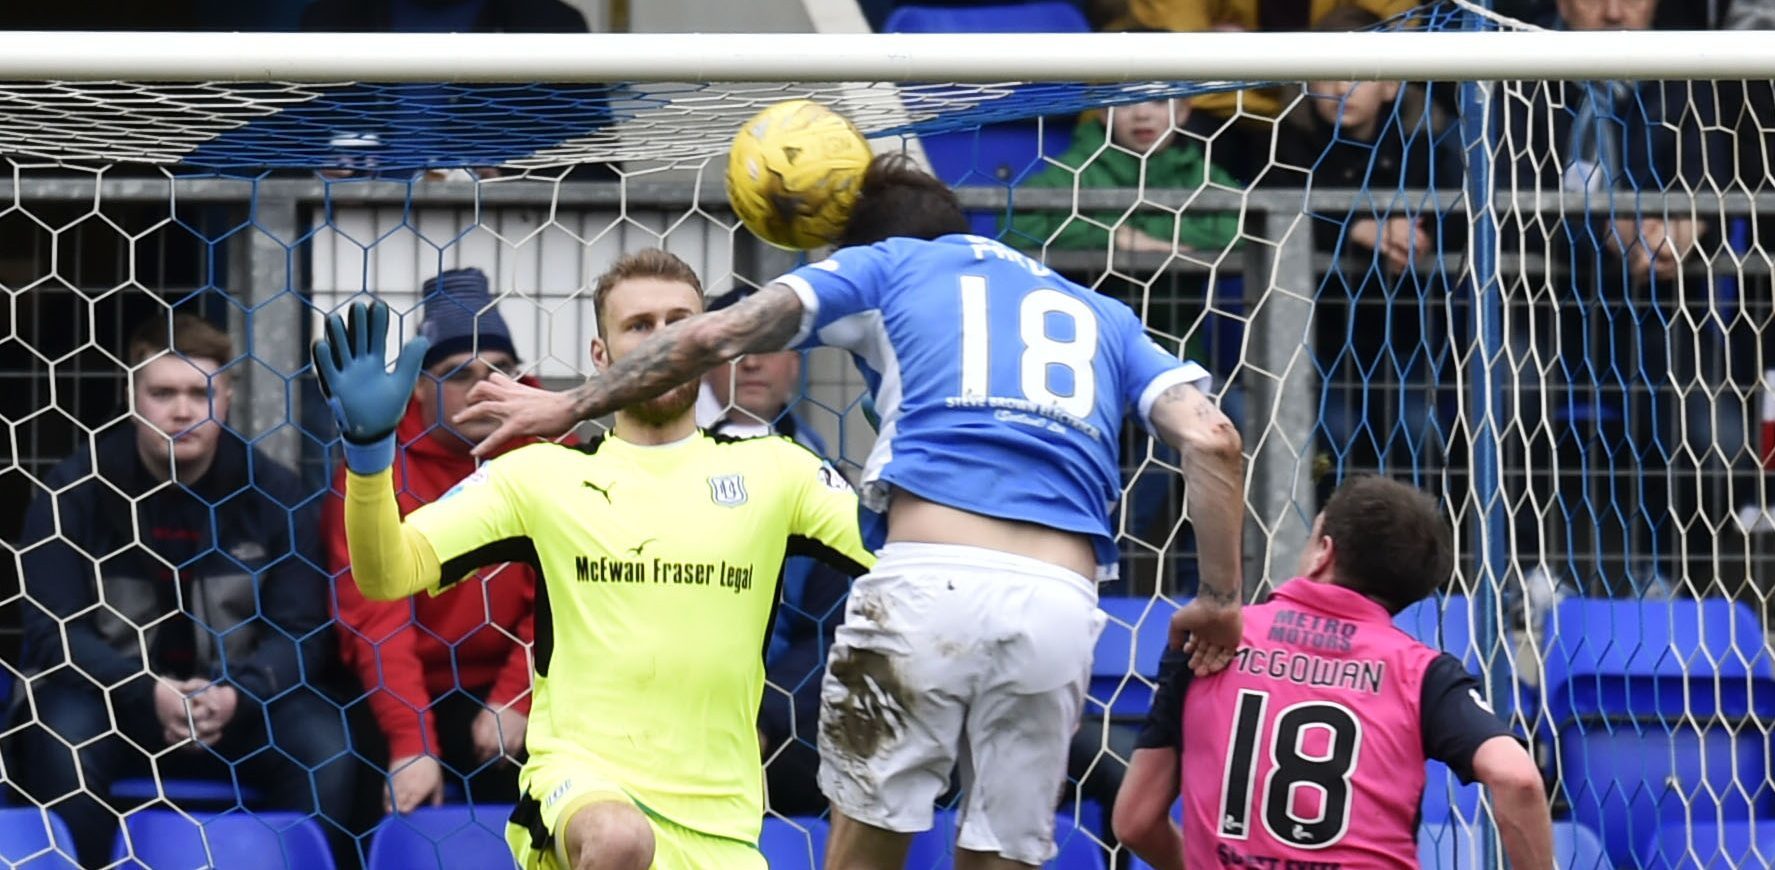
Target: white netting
{"points": [[236, 126], [1572, 360]]}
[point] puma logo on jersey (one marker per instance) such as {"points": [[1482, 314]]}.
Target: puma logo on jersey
{"points": [[603, 491], [1232, 826], [1302, 835]]}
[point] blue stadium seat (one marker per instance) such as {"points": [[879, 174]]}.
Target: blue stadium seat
{"points": [[1132, 642], [1682, 846], [1457, 846], [166, 840], [1043, 16], [995, 154], [1626, 683], [1446, 623], [1576, 847], [1088, 815], [1658, 658], [935, 849], [1445, 796], [451, 837], [1443, 622], [1626, 780], [1449, 845], [35, 839], [1001, 154], [797, 843], [1078, 851], [217, 793]]}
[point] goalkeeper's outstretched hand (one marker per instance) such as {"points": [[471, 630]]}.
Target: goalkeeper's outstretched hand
{"points": [[368, 401]]}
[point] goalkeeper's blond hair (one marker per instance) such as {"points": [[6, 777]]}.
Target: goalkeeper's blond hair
{"points": [[645, 263]]}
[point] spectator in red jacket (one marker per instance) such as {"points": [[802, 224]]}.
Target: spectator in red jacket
{"points": [[448, 676]]}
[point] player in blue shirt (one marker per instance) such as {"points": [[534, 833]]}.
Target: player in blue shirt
{"points": [[1001, 388]]}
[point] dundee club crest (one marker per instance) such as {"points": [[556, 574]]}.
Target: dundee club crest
{"points": [[728, 490]]}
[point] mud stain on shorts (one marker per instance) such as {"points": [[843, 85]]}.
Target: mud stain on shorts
{"points": [[870, 608], [874, 707]]}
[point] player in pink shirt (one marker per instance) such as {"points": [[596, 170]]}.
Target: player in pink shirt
{"points": [[1308, 751]]}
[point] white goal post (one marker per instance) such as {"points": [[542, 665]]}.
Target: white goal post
{"points": [[850, 57]]}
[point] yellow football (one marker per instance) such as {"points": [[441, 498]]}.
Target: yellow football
{"points": [[794, 172]]}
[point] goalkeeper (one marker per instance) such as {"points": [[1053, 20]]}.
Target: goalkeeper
{"points": [[659, 548]]}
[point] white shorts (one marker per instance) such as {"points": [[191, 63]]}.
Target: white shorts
{"points": [[952, 654]]}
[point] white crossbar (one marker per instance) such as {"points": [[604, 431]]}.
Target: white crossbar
{"points": [[848, 57]]}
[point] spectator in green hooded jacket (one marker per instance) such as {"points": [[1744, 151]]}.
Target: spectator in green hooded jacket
{"points": [[1140, 148]]}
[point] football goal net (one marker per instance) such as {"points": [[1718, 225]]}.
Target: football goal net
{"points": [[1520, 269]]}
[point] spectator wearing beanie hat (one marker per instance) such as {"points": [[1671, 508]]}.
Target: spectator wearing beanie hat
{"points": [[448, 676], [460, 320]]}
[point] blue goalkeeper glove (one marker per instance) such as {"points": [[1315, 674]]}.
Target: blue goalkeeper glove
{"points": [[367, 400]]}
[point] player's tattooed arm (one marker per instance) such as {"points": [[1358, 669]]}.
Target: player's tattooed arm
{"points": [[764, 321], [1213, 465]]}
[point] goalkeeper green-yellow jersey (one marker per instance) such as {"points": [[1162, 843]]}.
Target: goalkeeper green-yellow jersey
{"points": [[659, 569]]}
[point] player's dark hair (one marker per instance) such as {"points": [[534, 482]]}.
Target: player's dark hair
{"points": [[900, 200], [1390, 542]]}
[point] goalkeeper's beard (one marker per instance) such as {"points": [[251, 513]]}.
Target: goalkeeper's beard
{"points": [[667, 407]]}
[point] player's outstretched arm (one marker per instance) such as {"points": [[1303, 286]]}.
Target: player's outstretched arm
{"points": [[1519, 802], [1143, 804], [1143, 808], [388, 560], [764, 321], [1213, 464]]}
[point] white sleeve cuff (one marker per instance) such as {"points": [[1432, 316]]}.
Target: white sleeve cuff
{"points": [[1188, 373], [810, 307]]}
